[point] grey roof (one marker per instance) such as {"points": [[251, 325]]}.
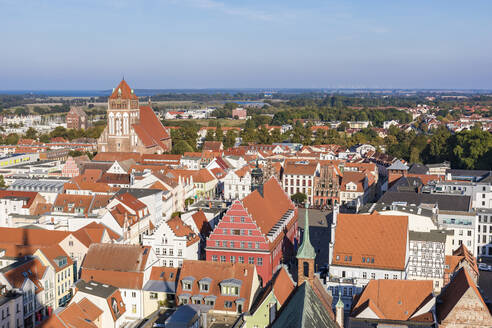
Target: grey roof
{"points": [[418, 169], [410, 209], [434, 235], [437, 165], [186, 315], [444, 202], [138, 192], [406, 184], [231, 281], [160, 286], [95, 288], [37, 185], [304, 310], [398, 165]]}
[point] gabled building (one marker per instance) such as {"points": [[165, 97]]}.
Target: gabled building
{"points": [[403, 303], [261, 229], [461, 258], [381, 251], [174, 241], [77, 118], [299, 177], [227, 288], [62, 265], [126, 267], [237, 184], [83, 314], [106, 298], [160, 289], [460, 304], [35, 282], [129, 217], [269, 301]]}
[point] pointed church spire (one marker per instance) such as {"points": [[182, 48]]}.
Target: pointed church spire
{"points": [[306, 251]]}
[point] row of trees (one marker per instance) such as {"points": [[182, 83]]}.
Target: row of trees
{"points": [[69, 134]]}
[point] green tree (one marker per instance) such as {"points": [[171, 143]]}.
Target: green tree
{"points": [[3, 185], [181, 147], [31, 133], [299, 198], [229, 139], [343, 126]]}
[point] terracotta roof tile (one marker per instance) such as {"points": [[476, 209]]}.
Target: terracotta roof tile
{"points": [[218, 272], [298, 168], [395, 299], [268, 209], [126, 92], [374, 241], [180, 229]]}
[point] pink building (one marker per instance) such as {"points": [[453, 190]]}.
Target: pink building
{"points": [[240, 113]]}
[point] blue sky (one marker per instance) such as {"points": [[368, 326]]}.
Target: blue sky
{"points": [[90, 44]]}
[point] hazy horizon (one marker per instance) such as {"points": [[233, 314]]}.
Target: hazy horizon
{"points": [[214, 44]]}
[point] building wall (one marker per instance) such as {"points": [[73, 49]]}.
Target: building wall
{"points": [[293, 184], [468, 312], [12, 313]]}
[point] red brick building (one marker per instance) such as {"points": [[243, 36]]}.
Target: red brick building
{"points": [[131, 127], [77, 119], [261, 229]]}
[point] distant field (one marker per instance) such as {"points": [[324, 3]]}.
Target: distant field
{"points": [[223, 122]]}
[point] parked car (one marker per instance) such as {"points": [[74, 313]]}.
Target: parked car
{"points": [[483, 266]]}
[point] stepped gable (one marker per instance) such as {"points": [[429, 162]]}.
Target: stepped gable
{"points": [[268, 209]]}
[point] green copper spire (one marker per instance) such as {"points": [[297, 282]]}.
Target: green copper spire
{"points": [[340, 303], [306, 251]]}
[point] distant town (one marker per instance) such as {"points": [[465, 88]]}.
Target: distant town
{"points": [[246, 208]]}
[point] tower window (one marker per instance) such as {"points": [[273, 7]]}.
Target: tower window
{"points": [[305, 269]]}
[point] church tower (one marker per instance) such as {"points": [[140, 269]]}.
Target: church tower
{"points": [[123, 112], [257, 179], [305, 254], [131, 127]]}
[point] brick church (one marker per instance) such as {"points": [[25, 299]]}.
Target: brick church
{"points": [[131, 127]]}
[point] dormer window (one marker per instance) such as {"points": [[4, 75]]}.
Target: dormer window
{"points": [[205, 284], [187, 283], [230, 287]]}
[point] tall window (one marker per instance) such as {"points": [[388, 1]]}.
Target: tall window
{"points": [[305, 266]]}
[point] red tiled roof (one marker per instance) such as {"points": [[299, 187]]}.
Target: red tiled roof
{"points": [[163, 273], [455, 291], [150, 130], [126, 92], [212, 145], [268, 209], [218, 272], [396, 299], [116, 156], [54, 251], [28, 195], [131, 201], [180, 229], [296, 168], [374, 241], [108, 257], [202, 223]]}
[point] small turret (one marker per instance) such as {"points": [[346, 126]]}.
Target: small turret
{"points": [[305, 254], [339, 309]]}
